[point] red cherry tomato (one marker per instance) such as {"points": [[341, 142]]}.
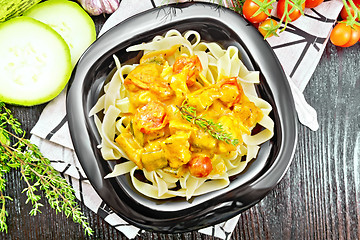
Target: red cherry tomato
{"points": [[355, 36], [294, 15], [268, 28], [250, 7], [256, 25], [200, 166], [344, 36], [312, 3], [344, 14], [340, 34]]}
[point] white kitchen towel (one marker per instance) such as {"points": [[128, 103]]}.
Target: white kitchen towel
{"points": [[299, 50]]}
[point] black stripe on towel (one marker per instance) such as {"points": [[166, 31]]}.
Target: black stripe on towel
{"points": [[57, 161], [320, 17], [65, 169], [70, 181], [153, 3], [227, 234], [104, 210], [304, 37], [81, 179], [57, 128], [121, 225]]}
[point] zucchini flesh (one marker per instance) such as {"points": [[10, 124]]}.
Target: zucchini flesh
{"points": [[138, 136], [70, 20], [154, 160], [35, 62]]}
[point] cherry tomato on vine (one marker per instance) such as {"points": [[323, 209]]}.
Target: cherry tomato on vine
{"points": [[355, 36], [200, 166], [312, 3], [344, 14], [256, 25], [268, 28], [256, 13], [340, 34], [294, 15], [344, 36]]}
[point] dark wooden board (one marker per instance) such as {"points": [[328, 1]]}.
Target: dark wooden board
{"points": [[318, 198]]}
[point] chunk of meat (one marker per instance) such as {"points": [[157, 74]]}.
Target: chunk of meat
{"points": [[248, 113], [177, 149], [147, 76], [231, 91]]}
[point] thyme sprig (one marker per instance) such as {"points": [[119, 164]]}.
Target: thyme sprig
{"points": [[216, 130], [18, 153]]}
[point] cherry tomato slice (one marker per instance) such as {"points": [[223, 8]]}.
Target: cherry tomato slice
{"points": [[193, 65], [200, 166], [151, 117]]}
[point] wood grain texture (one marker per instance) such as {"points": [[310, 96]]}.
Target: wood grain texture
{"points": [[318, 198]]}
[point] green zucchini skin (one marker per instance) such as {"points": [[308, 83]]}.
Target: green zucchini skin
{"points": [[13, 8], [70, 20]]}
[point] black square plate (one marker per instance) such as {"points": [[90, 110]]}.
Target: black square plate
{"points": [[215, 24]]}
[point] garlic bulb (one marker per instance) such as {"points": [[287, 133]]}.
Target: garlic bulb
{"points": [[97, 7]]}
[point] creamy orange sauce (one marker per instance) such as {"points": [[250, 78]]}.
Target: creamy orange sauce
{"points": [[158, 136]]}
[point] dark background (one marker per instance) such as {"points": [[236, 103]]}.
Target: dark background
{"points": [[318, 198]]}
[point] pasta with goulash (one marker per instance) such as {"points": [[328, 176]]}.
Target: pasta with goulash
{"points": [[183, 116]]}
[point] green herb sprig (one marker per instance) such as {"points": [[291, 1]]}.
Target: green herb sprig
{"points": [[216, 130], [18, 153]]}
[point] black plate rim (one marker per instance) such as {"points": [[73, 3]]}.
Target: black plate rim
{"points": [[214, 213]]}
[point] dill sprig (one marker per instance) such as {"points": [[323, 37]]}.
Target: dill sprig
{"points": [[18, 153], [216, 130]]}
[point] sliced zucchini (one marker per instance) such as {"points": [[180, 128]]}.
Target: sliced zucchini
{"points": [[70, 20], [177, 172], [154, 160], [35, 62], [138, 135]]}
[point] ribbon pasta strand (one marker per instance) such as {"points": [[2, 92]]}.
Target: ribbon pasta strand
{"points": [[216, 64]]}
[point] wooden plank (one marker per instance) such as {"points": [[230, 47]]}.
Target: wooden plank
{"points": [[319, 197]]}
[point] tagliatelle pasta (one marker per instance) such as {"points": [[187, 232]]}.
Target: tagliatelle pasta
{"points": [[184, 116]]}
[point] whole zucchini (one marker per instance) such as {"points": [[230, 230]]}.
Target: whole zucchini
{"points": [[13, 8]]}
